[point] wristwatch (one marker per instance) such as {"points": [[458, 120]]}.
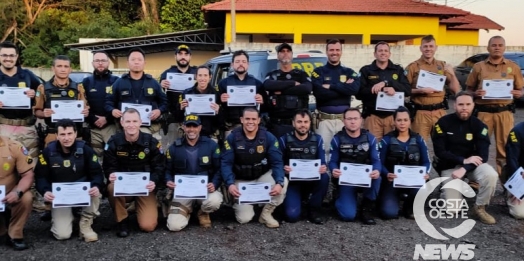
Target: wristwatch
{"points": [[385, 83], [19, 194], [281, 184]]}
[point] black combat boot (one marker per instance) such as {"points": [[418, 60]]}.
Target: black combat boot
{"points": [[314, 216], [366, 212], [17, 244], [122, 228]]}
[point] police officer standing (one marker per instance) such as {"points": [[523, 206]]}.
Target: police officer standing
{"points": [[134, 151], [302, 143], [252, 154], [355, 145], [514, 160], [69, 160], [232, 114], [174, 94], [288, 90], [461, 144], [59, 88], [429, 103], [137, 87], [17, 176], [98, 85], [382, 75], [333, 85], [497, 114], [193, 155]]}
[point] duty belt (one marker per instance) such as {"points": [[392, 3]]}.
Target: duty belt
{"points": [[494, 108], [15, 122], [327, 116], [431, 107], [281, 121]]}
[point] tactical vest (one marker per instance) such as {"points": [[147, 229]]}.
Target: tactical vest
{"points": [[146, 96], [95, 98], [250, 157], [67, 169], [233, 113], [205, 158], [132, 157], [397, 155], [358, 152], [286, 102], [24, 77], [53, 93], [307, 150]]}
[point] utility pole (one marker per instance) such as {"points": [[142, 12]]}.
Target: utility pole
{"points": [[233, 22]]}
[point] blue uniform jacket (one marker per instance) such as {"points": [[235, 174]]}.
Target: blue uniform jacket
{"points": [[384, 146], [514, 149], [321, 153], [97, 87], [334, 162], [339, 92]]}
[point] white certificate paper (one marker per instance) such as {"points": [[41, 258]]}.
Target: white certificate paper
{"points": [[356, 175], [430, 79], [497, 89], [409, 176], [180, 81], [67, 110], [2, 196], [304, 169], [515, 184], [241, 95], [131, 184], [389, 103], [143, 109], [200, 104], [254, 193], [75, 194], [191, 186], [15, 98]]}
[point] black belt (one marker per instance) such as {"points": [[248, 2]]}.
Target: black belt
{"points": [[494, 108], [281, 121], [431, 107]]}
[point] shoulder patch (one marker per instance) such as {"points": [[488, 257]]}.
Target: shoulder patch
{"points": [[276, 144], [42, 160], [168, 155], [438, 129], [226, 145], [24, 150], [95, 158], [485, 132], [159, 147], [513, 137], [354, 74], [314, 74], [406, 72], [217, 151]]}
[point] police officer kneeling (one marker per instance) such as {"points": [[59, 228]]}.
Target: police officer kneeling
{"points": [[514, 160], [461, 145], [355, 145], [69, 160], [193, 155], [251, 154]]}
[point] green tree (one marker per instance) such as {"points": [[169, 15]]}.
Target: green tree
{"points": [[182, 15]]}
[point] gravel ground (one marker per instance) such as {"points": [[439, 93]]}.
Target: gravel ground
{"points": [[227, 240]]}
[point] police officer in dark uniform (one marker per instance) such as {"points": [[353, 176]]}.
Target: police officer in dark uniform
{"points": [[59, 88], [302, 143], [333, 85], [193, 155], [461, 144], [69, 160], [355, 145], [400, 147], [288, 90], [98, 85], [514, 160], [252, 154], [381, 75], [128, 151], [137, 87], [174, 93]]}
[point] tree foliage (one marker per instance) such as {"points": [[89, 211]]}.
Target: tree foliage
{"points": [[183, 15]]}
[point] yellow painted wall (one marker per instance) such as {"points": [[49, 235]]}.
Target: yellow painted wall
{"points": [[461, 37], [298, 24]]}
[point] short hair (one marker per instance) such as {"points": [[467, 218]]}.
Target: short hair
{"points": [[251, 109], [9, 45], [61, 58], [203, 67], [428, 38], [136, 49], [130, 111], [65, 123], [352, 109], [303, 113], [332, 41], [399, 110], [465, 93], [496, 37], [103, 52], [381, 43], [238, 53]]}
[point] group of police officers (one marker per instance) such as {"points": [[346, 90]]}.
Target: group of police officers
{"points": [[233, 146]]}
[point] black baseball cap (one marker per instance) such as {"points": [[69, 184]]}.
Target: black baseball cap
{"points": [[183, 47], [282, 46], [192, 119]]}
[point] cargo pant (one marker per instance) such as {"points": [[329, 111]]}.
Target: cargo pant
{"points": [[20, 212], [181, 209], [379, 126], [327, 130], [501, 123], [425, 120], [298, 189], [154, 130], [389, 199], [516, 209], [23, 134], [347, 201], [62, 219], [99, 138], [146, 208]]}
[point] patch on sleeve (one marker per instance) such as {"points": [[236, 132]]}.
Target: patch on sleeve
{"points": [[314, 74], [168, 155], [106, 147], [485, 132], [438, 129], [95, 158], [24, 150], [217, 151], [226, 145], [276, 144], [354, 74], [512, 136], [42, 160], [406, 72], [37, 94], [159, 147]]}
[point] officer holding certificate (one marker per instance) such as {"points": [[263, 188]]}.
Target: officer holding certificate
{"points": [[401, 147], [134, 151], [514, 160], [193, 155], [303, 144], [252, 154], [59, 88], [355, 145], [461, 145], [68, 160], [384, 77], [497, 114]]}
